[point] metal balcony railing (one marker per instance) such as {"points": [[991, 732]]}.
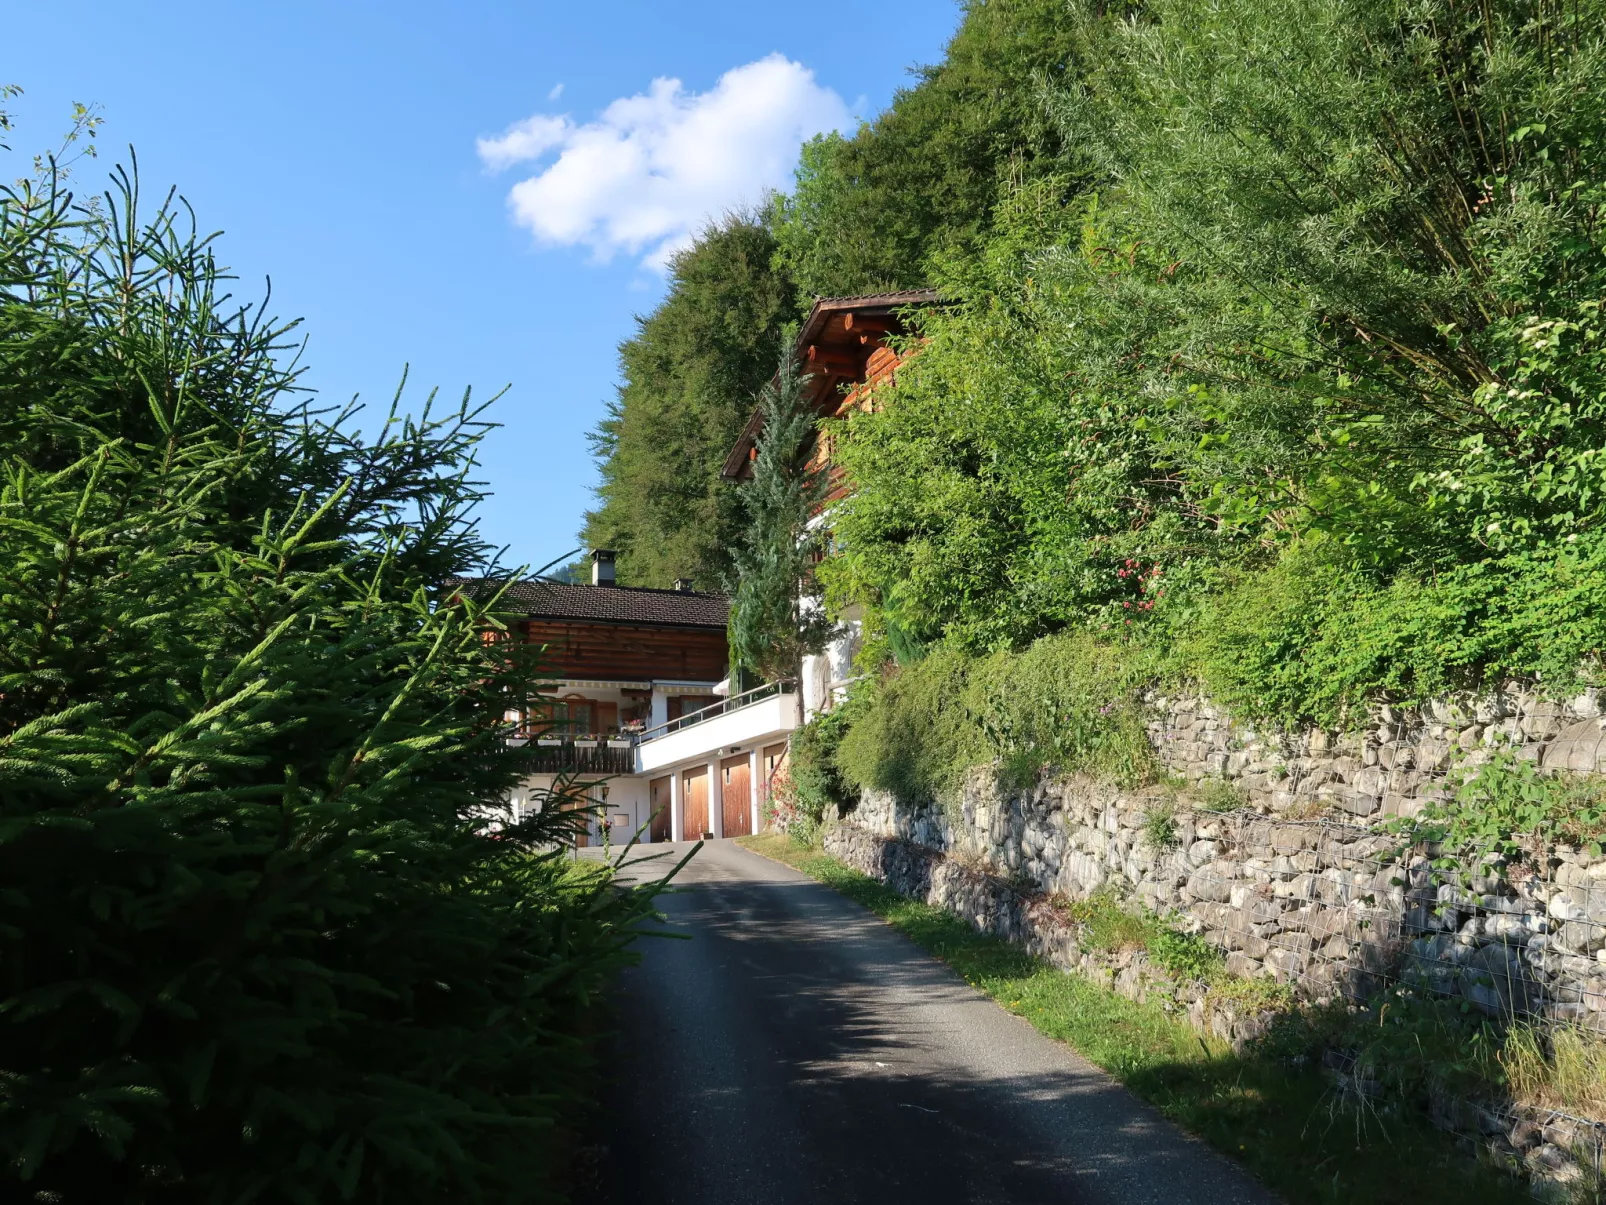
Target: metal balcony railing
{"points": [[747, 698]]}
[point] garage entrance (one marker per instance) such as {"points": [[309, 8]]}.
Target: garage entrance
{"points": [[694, 803], [736, 809], [658, 808]]}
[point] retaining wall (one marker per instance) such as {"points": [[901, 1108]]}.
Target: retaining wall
{"points": [[1301, 883]]}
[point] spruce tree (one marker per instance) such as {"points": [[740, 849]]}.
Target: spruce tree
{"points": [[256, 942]]}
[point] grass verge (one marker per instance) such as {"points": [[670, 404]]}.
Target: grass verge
{"points": [[1284, 1121]]}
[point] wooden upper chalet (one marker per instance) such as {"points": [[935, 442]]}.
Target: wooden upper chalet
{"points": [[843, 348], [606, 633]]}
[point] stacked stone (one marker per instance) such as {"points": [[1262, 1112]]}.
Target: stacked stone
{"points": [[1390, 767], [1325, 904], [1555, 1149]]}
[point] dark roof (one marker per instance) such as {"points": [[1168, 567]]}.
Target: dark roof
{"points": [[606, 604], [867, 301], [871, 305]]}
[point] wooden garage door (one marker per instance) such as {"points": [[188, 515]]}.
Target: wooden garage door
{"points": [[694, 803], [658, 808], [736, 801]]}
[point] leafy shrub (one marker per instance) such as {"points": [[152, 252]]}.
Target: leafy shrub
{"points": [[1067, 700], [1508, 810], [1312, 638], [1160, 826], [815, 770], [1416, 1044], [259, 943], [1185, 954], [1218, 795]]}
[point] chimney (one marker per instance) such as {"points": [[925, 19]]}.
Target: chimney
{"points": [[683, 584], [602, 567]]}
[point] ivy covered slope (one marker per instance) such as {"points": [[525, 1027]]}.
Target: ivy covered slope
{"points": [[1291, 382], [253, 942]]}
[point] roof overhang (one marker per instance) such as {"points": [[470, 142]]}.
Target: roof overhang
{"points": [[832, 348], [538, 617]]}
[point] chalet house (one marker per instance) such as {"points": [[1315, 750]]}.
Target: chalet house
{"points": [[638, 701], [844, 347]]}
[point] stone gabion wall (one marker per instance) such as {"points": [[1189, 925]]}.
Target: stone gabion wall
{"points": [[1562, 1153], [1391, 767], [1330, 907], [1301, 883]]}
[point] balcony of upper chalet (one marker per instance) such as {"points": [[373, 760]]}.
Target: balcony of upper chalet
{"points": [[845, 349]]}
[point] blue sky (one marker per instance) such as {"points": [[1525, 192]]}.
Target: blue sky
{"points": [[478, 190]]}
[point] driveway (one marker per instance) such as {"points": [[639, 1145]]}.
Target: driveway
{"points": [[792, 1048]]}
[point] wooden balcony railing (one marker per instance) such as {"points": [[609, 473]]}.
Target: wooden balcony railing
{"points": [[583, 755]]}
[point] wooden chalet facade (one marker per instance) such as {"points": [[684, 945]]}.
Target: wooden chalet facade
{"points": [[636, 697], [845, 346], [638, 694]]}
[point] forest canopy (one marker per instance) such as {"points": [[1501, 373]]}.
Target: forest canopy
{"points": [[871, 211]]}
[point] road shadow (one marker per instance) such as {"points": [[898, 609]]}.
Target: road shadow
{"points": [[796, 1049]]}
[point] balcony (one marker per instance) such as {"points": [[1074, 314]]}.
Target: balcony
{"points": [[753, 716], [583, 755]]}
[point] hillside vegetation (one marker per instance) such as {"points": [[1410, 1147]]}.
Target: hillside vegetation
{"points": [[1300, 396], [1273, 361]]}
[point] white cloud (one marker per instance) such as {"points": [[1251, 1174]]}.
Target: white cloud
{"points": [[646, 174], [523, 140], [557, 91]]}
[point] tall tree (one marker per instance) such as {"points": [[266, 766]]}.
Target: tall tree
{"points": [[257, 945], [689, 379], [776, 617], [870, 211]]}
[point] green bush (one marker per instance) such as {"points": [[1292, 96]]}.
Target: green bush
{"points": [[1186, 954], [1312, 638], [1070, 701], [814, 767], [1508, 811], [259, 944]]}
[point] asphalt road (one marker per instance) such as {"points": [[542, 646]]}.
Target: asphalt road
{"points": [[796, 1049]]}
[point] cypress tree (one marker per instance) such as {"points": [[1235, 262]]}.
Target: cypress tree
{"points": [[776, 618]]}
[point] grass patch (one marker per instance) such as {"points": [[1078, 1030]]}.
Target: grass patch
{"points": [[1160, 826], [1283, 1120], [1564, 1069], [1106, 926], [1218, 795]]}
